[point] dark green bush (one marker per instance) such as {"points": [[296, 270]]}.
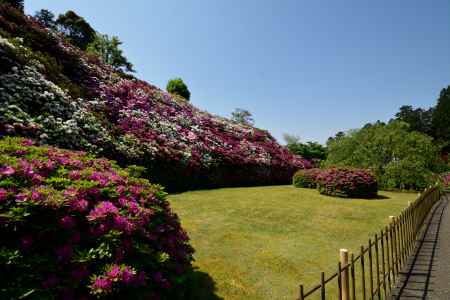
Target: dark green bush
{"points": [[178, 87], [306, 178]]}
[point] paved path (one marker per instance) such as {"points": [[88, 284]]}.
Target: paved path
{"points": [[427, 273]]}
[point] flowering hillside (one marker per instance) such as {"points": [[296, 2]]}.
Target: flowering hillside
{"points": [[59, 95], [77, 227]]}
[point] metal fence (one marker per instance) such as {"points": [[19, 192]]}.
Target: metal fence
{"points": [[372, 273]]}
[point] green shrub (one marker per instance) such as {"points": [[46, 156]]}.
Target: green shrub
{"points": [[178, 87], [306, 178], [348, 183]]}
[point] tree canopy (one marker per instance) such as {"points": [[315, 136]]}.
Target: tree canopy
{"points": [[76, 28], [441, 117], [19, 4], [400, 158], [308, 150], [46, 18], [242, 116], [108, 50]]}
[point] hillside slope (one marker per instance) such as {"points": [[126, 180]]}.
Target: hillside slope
{"points": [[59, 95]]}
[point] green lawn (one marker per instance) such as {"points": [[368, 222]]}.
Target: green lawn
{"points": [[262, 242]]}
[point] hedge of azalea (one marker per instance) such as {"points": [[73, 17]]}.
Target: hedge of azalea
{"points": [[76, 227], [306, 178], [61, 96], [349, 183]]}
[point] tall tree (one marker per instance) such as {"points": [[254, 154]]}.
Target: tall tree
{"points": [[242, 116], [108, 50], [441, 117], [19, 4], [418, 119], [46, 18], [76, 29], [308, 150]]}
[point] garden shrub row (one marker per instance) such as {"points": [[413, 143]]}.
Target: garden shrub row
{"points": [[339, 182], [58, 95], [77, 227]]}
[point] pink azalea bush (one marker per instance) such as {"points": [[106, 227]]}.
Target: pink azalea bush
{"points": [[446, 181], [77, 227], [349, 183], [306, 178], [61, 96]]}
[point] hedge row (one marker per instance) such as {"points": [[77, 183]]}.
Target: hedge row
{"points": [[77, 227], [339, 182], [61, 96]]}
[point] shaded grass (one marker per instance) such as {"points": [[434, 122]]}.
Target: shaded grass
{"points": [[262, 242]]}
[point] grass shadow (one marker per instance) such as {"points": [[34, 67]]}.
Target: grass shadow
{"points": [[201, 286]]}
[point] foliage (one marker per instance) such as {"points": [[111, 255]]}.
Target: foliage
{"points": [[349, 183], [73, 226], [59, 95], [398, 157], [77, 30], [46, 18], [108, 50], [177, 86], [418, 119], [306, 178], [242, 116], [308, 150], [441, 116], [18, 4]]}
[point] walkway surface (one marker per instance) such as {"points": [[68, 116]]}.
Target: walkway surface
{"points": [[427, 273]]}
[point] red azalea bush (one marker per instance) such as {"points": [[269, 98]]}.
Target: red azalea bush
{"points": [[77, 227], [349, 183], [306, 178]]}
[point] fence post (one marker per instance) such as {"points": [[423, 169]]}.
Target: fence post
{"points": [[343, 258]]}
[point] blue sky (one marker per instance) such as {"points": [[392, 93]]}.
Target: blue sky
{"points": [[310, 68]]}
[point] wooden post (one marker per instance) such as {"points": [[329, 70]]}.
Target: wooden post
{"points": [[343, 258]]}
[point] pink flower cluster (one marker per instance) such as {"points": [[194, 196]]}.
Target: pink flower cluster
{"points": [[117, 276], [345, 182], [80, 216], [445, 182]]}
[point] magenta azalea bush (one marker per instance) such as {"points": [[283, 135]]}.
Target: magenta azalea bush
{"points": [[77, 227], [306, 178], [349, 183], [59, 95], [446, 182]]}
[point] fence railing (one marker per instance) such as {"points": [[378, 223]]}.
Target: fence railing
{"points": [[372, 273]]}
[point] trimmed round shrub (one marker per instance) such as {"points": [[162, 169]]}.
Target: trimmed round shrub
{"points": [[77, 227], [178, 87], [349, 183], [306, 178]]}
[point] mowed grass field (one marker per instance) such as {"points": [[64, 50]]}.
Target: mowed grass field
{"points": [[262, 242]]}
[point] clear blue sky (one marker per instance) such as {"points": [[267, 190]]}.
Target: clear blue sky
{"points": [[310, 68]]}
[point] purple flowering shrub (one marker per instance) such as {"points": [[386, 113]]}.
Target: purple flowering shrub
{"points": [[446, 181], [306, 178], [77, 227], [349, 183], [58, 95]]}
